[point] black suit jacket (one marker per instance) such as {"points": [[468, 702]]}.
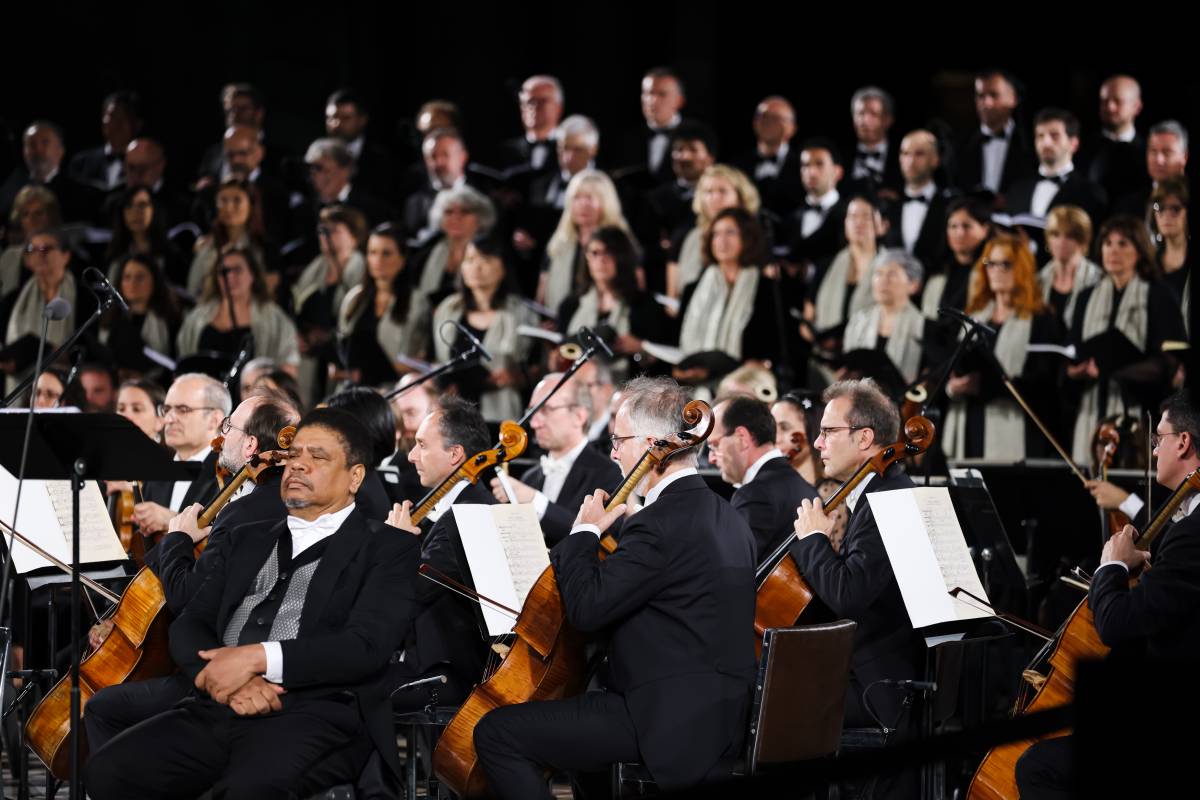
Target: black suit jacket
{"points": [[677, 602], [1020, 161], [446, 635], [591, 471], [1076, 190], [782, 193], [769, 503], [635, 156], [1118, 167], [359, 605], [858, 583], [825, 241], [892, 179], [1161, 613], [203, 489], [930, 247], [173, 559], [90, 167], [518, 152], [77, 202]]}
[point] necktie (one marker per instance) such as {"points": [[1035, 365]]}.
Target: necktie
{"points": [[1059, 179], [916, 198], [552, 467]]}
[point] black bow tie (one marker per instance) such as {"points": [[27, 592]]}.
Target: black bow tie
{"points": [[814, 207], [994, 137], [1059, 179], [918, 198], [865, 153]]}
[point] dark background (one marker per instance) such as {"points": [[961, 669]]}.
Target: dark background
{"points": [[179, 55]]}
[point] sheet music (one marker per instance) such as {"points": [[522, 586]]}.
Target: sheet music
{"points": [[524, 545], [506, 552], [98, 540], [928, 553]]}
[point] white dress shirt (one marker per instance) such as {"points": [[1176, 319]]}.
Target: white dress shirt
{"points": [[913, 213], [771, 166], [651, 496], [1046, 190], [660, 142], [443, 505], [181, 487], [813, 219], [753, 469], [304, 535], [555, 472], [869, 162], [995, 151], [1127, 136]]}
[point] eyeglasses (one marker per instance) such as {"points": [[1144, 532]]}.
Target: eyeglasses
{"points": [[826, 431], [1174, 209], [1004, 265], [616, 440], [227, 426], [181, 411], [1156, 439], [41, 251]]}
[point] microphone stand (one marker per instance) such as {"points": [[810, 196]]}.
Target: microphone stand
{"points": [[460, 361], [247, 341], [594, 343], [103, 304], [975, 330]]}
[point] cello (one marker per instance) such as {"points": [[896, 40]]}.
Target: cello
{"points": [[546, 660], [783, 595], [1075, 640], [135, 647], [513, 440]]}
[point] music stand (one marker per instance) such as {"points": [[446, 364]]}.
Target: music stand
{"points": [[81, 447]]}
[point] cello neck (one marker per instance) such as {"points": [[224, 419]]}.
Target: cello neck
{"points": [[1181, 493], [838, 497], [631, 481], [222, 499], [437, 493]]}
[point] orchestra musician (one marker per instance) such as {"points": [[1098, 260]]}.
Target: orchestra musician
{"points": [[287, 644], [676, 600], [1159, 616]]}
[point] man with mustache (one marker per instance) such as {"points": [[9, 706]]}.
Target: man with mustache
{"points": [[286, 645]]}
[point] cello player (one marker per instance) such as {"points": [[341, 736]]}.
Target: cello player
{"points": [[1161, 612], [677, 602]]}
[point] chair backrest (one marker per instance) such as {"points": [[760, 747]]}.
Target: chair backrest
{"points": [[800, 696]]}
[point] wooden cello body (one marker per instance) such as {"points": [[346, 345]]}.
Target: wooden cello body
{"points": [[783, 595], [546, 660]]}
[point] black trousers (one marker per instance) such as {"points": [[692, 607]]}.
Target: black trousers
{"points": [[517, 744], [1046, 770], [117, 708], [310, 745]]}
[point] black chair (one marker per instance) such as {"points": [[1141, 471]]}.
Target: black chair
{"points": [[421, 729], [802, 677]]}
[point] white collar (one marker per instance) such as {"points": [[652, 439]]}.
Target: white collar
{"points": [[1006, 133], [752, 471], [355, 147], [200, 456], [927, 191], [322, 526], [436, 183], [444, 504], [344, 193], [827, 200], [531, 139], [1128, 136], [1062, 173], [879, 150], [670, 126], [1191, 503], [653, 494], [780, 155], [567, 459], [857, 492], [600, 426]]}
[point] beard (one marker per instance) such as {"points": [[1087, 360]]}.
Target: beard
{"points": [[228, 461], [297, 502]]}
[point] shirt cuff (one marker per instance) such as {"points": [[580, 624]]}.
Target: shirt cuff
{"points": [[1104, 564], [1131, 505], [274, 653], [540, 504], [586, 528]]}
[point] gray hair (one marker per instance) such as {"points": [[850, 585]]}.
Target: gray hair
{"points": [[870, 408], [578, 125], [550, 79], [656, 409], [331, 148], [471, 199], [895, 255], [215, 394], [874, 93], [1175, 128]]}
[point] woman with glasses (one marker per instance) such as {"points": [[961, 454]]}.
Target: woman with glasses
{"points": [[34, 209], [892, 325], [1069, 271], [1138, 313], [22, 312], [720, 187], [235, 302], [984, 420], [238, 222], [1169, 223], [591, 203]]}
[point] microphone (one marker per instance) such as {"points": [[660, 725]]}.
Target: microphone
{"points": [[954, 313], [597, 340], [913, 686], [478, 345], [56, 309], [100, 283]]}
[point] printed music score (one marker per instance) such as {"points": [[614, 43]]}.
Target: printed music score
{"points": [[506, 553]]}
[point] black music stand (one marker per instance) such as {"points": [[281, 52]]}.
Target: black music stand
{"points": [[80, 447]]}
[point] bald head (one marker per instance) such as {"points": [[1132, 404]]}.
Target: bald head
{"points": [[145, 162], [774, 123], [918, 158], [1120, 103], [243, 151]]}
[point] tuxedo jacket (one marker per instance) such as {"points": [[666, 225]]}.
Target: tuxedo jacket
{"points": [[518, 152], [591, 471], [825, 241], [1119, 168], [858, 583], [635, 156], [358, 607], [173, 560], [891, 179], [782, 193], [769, 503], [446, 635], [1076, 190], [1020, 161], [375, 170], [676, 600], [930, 247], [1160, 614], [90, 167], [203, 489], [77, 202], [668, 207]]}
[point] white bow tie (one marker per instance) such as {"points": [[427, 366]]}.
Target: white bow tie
{"points": [[323, 524], [552, 467]]}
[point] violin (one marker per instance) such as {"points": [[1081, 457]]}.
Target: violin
{"points": [[546, 660], [783, 595], [513, 440], [1052, 671], [799, 447], [223, 473], [1107, 441]]}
